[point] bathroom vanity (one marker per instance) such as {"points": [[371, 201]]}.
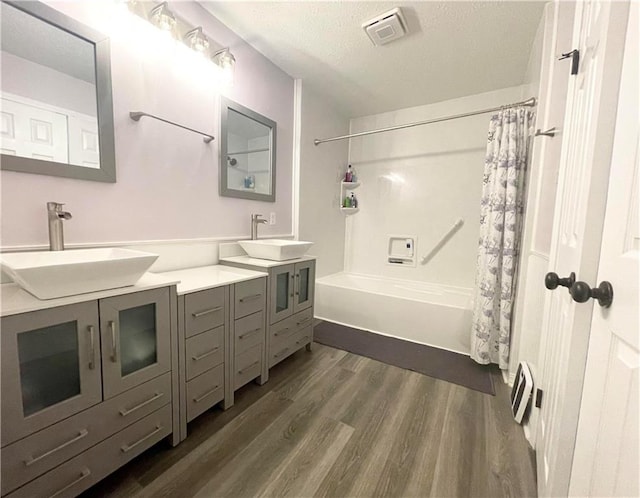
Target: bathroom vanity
{"points": [[88, 383], [290, 299], [221, 335]]}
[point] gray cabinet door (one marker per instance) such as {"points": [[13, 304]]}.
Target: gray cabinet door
{"points": [[281, 292], [50, 367], [305, 277], [135, 335]]}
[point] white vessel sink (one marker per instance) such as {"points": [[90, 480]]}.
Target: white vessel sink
{"points": [[51, 274], [275, 249]]}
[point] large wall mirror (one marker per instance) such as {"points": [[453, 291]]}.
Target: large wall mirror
{"points": [[247, 153], [55, 86]]}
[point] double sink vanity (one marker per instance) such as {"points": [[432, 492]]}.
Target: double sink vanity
{"points": [[90, 380]]}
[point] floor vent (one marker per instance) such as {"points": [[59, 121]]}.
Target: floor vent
{"points": [[521, 392]]}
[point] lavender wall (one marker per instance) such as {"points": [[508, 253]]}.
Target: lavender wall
{"points": [[167, 185]]}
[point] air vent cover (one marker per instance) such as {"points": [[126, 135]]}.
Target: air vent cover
{"points": [[386, 27]]}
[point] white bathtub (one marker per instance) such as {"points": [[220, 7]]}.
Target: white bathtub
{"points": [[432, 314]]}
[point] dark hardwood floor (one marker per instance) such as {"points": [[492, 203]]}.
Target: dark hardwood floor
{"points": [[331, 423]]}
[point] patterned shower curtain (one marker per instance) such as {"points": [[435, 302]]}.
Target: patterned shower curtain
{"points": [[500, 227]]}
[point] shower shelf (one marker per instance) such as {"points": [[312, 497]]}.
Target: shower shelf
{"points": [[349, 210], [344, 188], [350, 185]]}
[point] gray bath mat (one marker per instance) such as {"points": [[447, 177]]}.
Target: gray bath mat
{"points": [[427, 360]]}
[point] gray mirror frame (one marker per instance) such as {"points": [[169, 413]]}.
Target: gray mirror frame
{"points": [[104, 100], [225, 105]]}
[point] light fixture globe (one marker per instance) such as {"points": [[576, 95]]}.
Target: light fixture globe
{"points": [[196, 40], [162, 18], [226, 61]]}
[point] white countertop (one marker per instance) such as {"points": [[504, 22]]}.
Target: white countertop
{"points": [[208, 277], [264, 263], [15, 300]]}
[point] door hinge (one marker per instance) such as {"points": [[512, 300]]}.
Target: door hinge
{"points": [[538, 398], [575, 60]]}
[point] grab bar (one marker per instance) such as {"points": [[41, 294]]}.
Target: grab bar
{"points": [[443, 240]]}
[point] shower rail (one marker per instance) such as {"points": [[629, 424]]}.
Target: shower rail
{"points": [[443, 240], [526, 103]]}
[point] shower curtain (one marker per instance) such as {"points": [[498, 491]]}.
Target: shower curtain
{"points": [[501, 210]]}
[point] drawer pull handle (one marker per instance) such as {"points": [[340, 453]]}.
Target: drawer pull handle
{"points": [[251, 332], [83, 433], [278, 355], [208, 393], [128, 447], [206, 312], [304, 320], [249, 367], [114, 345], [250, 298], [204, 355], [84, 474], [92, 347], [276, 334], [124, 412]]}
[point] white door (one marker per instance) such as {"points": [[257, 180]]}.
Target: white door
{"points": [[606, 457], [83, 141], [599, 34], [30, 131]]}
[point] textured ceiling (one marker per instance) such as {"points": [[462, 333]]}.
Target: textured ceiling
{"points": [[453, 48]]}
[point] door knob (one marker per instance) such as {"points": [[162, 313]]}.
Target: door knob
{"points": [[552, 280], [581, 293]]}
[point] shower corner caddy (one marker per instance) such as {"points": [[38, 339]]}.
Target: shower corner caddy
{"points": [[344, 188]]}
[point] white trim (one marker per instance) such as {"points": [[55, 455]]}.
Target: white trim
{"points": [[297, 134], [86, 245]]}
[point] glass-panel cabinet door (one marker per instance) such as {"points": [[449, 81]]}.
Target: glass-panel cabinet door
{"points": [[281, 292], [304, 289], [136, 344], [50, 367]]}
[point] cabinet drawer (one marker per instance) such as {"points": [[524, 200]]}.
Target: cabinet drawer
{"points": [[204, 310], [34, 455], [286, 328], [278, 352], [81, 472], [205, 391], [249, 331], [204, 351], [247, 366], [250, 296]]}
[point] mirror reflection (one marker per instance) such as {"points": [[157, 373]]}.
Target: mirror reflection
{"points": [[248, 153], [48, 85]]}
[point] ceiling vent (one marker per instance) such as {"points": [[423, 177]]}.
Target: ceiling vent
{"points": [[386, 27]]}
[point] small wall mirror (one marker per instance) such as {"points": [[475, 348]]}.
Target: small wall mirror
{"points": [[247, 153], [57, 115]]}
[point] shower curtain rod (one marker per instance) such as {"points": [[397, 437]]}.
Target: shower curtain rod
{"points": [[528, 103]]}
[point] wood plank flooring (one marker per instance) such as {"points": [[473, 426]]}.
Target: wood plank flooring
{"points": [[333, 424]]}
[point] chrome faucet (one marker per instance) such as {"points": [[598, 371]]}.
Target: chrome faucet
{"points": [[255, 220], [56, 233]]}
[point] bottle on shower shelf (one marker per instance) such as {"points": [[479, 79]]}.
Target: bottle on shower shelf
{"points": [[348, 177], [354, 201]]}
